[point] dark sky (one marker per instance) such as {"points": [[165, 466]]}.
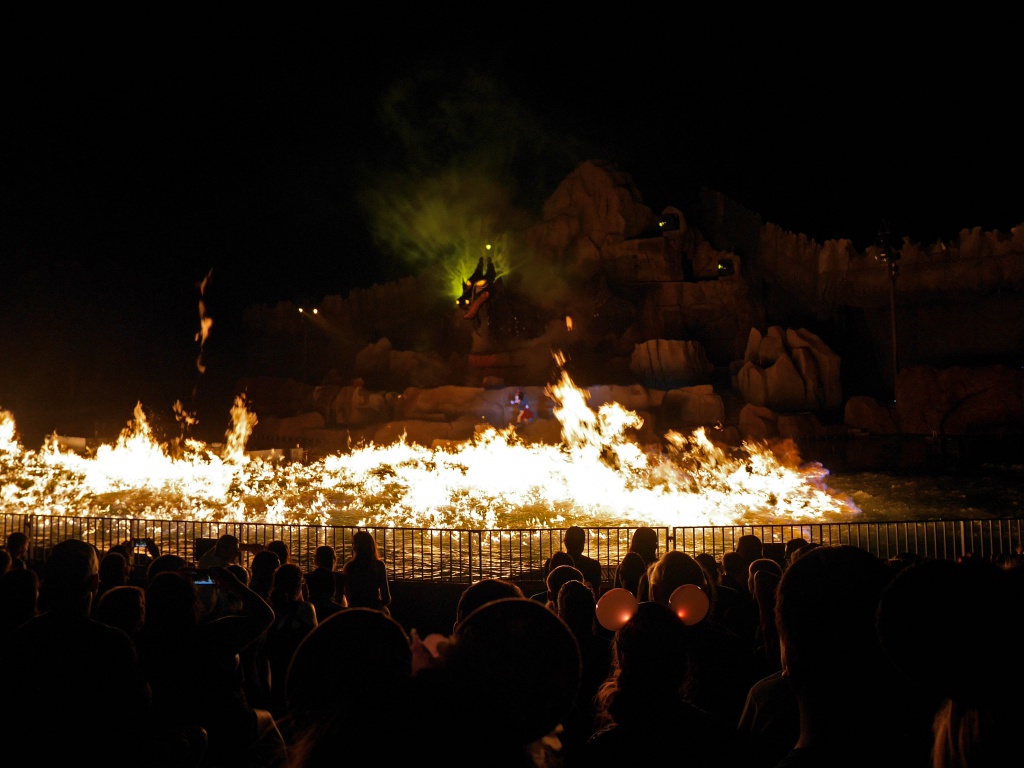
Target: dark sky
{"points": [[130, 171]]}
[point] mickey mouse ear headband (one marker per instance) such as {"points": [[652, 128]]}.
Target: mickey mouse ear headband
{"points": [[615, 608], [690, 603]]}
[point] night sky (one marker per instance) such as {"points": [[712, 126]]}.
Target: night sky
{"points": [[133, 171]]}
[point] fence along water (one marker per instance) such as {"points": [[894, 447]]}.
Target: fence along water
{"points": [[467, 555]]}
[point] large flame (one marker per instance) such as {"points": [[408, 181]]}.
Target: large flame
{"points": [[597, 476]]}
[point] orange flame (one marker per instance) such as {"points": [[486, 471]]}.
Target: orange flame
{"points": [[596, 476]]}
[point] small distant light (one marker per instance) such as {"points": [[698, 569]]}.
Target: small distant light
{"points": [[316, 311]]}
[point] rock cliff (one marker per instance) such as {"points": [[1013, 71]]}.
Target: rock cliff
{"points": [[720, 320]]}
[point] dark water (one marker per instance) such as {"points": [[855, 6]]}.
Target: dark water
{"points": [[978, 493]]}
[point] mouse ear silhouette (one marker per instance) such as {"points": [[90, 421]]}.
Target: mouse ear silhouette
{"points": [[689, 603], [615, 608]]}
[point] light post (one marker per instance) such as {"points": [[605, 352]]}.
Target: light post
{"points": [[888, 253], [305, 340]]}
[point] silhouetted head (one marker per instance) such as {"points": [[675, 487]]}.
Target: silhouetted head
{"points": [[484, 591], [645, 542], [165, 563], [262, 569], [761, 564], [280, 548], [325, 557], [558, 558], [114, 569], [558, 577], [674, 569], [709, 564], [123, 607], [364, 546], [321, 585], [630, 570], [17, 544], [512, 672], [825, 610], [286, 584], [749, 547], [70, 576], [577, 607], [19, 596], [649, 650], [171, 603], [227, 548], [352, 669], [575, 540]]}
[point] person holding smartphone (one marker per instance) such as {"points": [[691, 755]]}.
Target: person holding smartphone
{"points": [[194, 669], [226, 551]]}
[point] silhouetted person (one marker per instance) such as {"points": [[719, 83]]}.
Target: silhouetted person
{"points": [[825, 608], [483, 591], [17, 547], [557, 558], [554, 582], [507, 682], [326, 558], [629, 572], [645, 543], [261, 572], [322, 590], [194, 669], [123, 607], [225, 551], [294, 618], [163, 563], [366, 576], [280, 548], [577, 607], [19, 598], [575, 542], [71, 673], [721, 667], [791, 547], [643, 719], [349, 684], [937, 610], [114, 572]]}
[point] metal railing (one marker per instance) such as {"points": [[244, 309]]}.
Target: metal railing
{"points": [[467, 555]]}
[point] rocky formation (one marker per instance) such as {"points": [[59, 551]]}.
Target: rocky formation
{"points": [[722, 326]]}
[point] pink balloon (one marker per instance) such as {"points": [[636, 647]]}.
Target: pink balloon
{"points": [[690, 603], [615, 608]]}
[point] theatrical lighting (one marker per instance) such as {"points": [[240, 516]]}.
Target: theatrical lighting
{"points": [[669, 222], [889, 254]]}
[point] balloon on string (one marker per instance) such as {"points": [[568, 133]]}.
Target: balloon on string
{"points": [[689, 603], [615, 608]]}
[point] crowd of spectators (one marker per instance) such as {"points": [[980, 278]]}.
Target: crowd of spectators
{"points": [[804, 655]]}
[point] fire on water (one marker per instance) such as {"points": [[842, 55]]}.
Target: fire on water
{"points": [[597, 476]]}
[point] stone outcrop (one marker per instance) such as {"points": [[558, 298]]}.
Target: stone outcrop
{"points": [[669, 363], [663, 307], [951, 401], [789, 370]]}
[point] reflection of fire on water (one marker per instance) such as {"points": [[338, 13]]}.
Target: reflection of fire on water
{"points": [[598, 476]]}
